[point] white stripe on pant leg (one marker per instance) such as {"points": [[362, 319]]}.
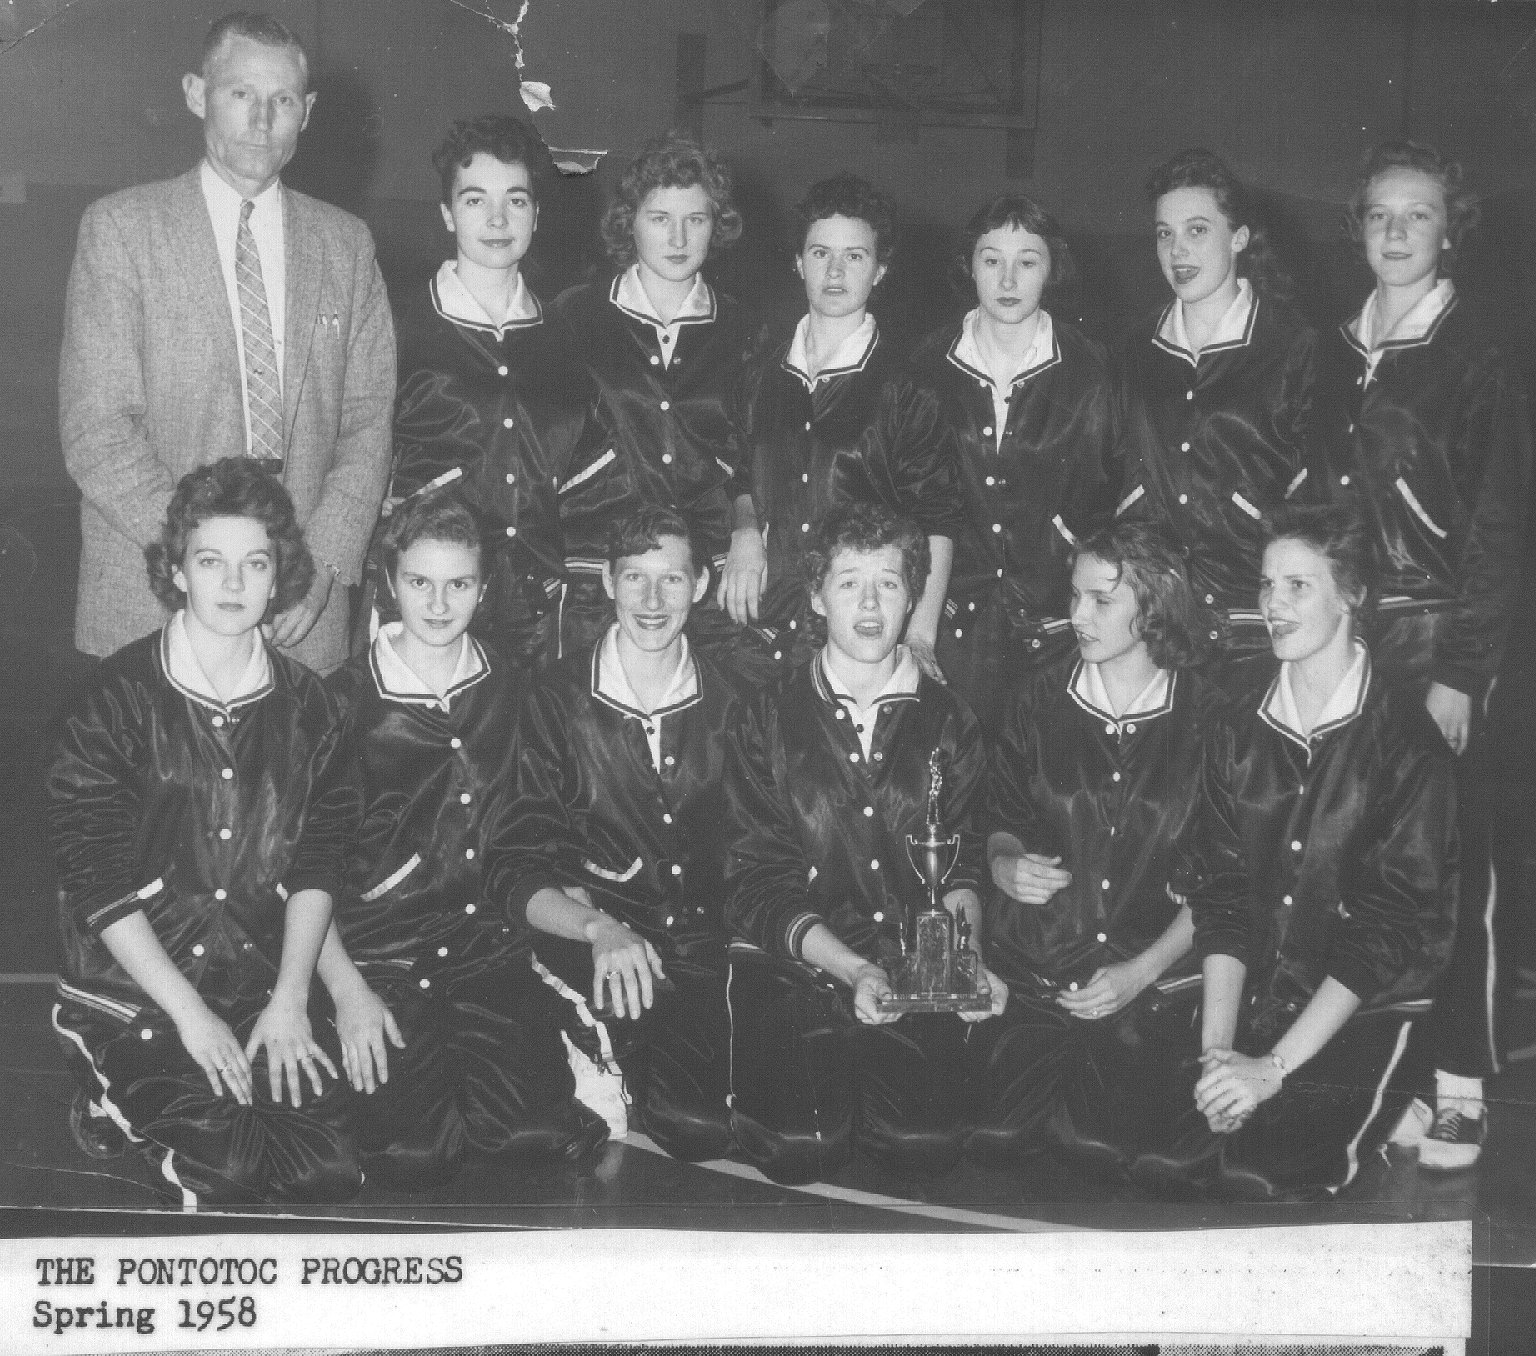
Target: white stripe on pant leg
{"points": [[113, 1111], [588, 1018], [188, 1198], [1490, 980], [1351, 1153]]}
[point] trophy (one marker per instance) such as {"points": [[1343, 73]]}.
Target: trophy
{"points": [[937, 971]]}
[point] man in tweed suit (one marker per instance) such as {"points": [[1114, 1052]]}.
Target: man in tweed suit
{"points": [[216, 314]]}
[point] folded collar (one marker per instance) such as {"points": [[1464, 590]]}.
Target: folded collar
{"points": [[186, 673], [849, 356], [456, 302], [611, 684], [1233, 330], [396, 679]]}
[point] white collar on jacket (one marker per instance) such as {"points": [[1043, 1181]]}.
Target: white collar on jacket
{"points": [[395, 678], [849, 356], [1233, 330], [185, 672], [456, 302]]}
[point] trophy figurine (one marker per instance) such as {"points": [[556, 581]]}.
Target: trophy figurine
{"points": [[937, 972]]}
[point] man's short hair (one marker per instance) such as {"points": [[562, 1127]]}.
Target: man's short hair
{"points": [[642, 531], [258, 27]]}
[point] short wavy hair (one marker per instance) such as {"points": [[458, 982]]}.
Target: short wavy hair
{"points": [[1168, 616], [1462, 208], [1012, 211], [235, 487], [673, 160], [441, 515], [867, 527], [500, 136], [1199, 168], [847, 195], [642, 531], [1341, 535]]}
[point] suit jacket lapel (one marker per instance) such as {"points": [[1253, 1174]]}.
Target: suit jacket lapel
{"points": [[305, 254], [200, 266]]}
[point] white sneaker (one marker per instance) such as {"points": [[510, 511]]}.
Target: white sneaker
{"points": [[1414, 1125], [599, 1089], [1456, 1141]]}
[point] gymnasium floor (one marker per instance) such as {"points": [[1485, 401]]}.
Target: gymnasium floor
{"points": [[47, 1186]]}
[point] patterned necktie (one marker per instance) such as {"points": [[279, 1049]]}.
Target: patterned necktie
{"points": [[263, 396]]}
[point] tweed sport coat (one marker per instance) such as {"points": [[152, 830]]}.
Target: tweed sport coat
{"points": [[149, 388]]}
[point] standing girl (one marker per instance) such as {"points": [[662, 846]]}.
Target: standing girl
{"points": [[1436, 447], [1030, 407], [1218, 397]]}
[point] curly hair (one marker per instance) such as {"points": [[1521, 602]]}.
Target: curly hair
{"points": [[235, 487], [673, 160], [1338, 533], [847, 195], [1462, 209], [1200, 168], [642, 531], [440, 516], [500, 136], [1012, 211], [257, 27], [866, 527], [1168, 617]]}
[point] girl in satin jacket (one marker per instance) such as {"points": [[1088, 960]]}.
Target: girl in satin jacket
{"points": [[493, 398], [1218, 419], [831, 416], [1322, 881], [824, 785], [666, 350], [443, 1024], [1030, 406], [200, 805], [1434, 444], [1094, 782]]}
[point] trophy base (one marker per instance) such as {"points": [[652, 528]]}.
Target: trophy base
{"points": [[963, 992]]}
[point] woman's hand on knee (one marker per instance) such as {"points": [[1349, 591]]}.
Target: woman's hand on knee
{"points": [[283, 1033], [1452, 712], [214, 1047], [623, 964], [366, 1028], [1232, 1087]]}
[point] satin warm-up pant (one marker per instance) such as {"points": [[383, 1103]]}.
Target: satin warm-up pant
{"points": [[207, 1149], [809, 1082], [483, 1075]]}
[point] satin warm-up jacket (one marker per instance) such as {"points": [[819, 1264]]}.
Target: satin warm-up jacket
{"points": [[589, 808], [1436, 448], [413, 908], [674, 440], [205, 816], [1334, 856], [1029, 500], [868, 433], [1207, 448], [819, 831], [507, 419], [1112, 797]]}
